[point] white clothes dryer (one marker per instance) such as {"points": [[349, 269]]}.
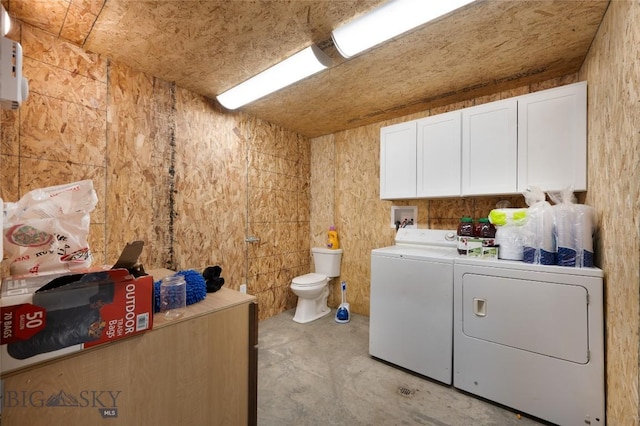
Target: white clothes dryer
{"points": [[531, 337], [411, 304]]}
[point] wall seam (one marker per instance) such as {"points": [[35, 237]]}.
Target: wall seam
{"points": [[171, 261]]}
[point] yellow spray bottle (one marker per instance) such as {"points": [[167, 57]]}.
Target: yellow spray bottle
{"points": [[332, 238]]}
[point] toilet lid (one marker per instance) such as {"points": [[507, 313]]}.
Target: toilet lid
{"points": [[309, 279]]}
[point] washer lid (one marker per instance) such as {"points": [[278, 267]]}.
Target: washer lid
{"points": [[309, 279], [440, 254]]}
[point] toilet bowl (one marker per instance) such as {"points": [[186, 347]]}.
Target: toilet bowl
{"points": [[312, 289], [312, 292]]}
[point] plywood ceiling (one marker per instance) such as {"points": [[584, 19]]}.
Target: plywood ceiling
{"points": [[209, 46]]}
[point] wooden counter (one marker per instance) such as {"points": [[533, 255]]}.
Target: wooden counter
{"points": [[200, 369]]}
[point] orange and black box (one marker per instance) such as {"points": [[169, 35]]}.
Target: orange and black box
{"points": [[44, 317]]}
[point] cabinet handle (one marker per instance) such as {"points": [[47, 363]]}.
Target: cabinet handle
{"points": [[480, 307]]}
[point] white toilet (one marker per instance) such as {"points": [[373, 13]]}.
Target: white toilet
{"points": [[312, 289]]}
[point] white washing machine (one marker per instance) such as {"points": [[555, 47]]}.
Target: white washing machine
{"points": [[411, 303], [531, 337]]}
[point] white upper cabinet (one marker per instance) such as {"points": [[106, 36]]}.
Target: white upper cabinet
{"points": [[490, 148], [552, 138], [501, 147], [439, 144], [398, 161]]}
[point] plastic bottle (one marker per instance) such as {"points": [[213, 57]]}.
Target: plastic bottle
{"points": [[173, 296], [484, 229], [332, 238], [465, 229]]}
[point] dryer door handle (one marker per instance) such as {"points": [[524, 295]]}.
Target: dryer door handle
{"points": [[480, 307]]}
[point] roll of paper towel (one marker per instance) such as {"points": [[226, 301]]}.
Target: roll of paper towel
{"points": [[510, 240]]}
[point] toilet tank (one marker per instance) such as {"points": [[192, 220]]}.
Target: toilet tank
{"points": [[327, 261]]}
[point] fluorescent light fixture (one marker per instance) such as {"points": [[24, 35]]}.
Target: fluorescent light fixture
{"points": [[6, 21], [387, 21], [301, 65]]}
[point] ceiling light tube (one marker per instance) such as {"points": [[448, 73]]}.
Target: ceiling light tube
{"points": [[387, 21], [295, 68], [5, 23]]}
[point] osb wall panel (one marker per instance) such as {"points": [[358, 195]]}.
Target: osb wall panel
{"points": [[64, 55], [141, 122], [323, 172], [48, 15], [278, 184], [9, 132], [72, 20], [169, 168], [58, 134], [613, 71], [346, 178], [210, 189], [78, 21]]}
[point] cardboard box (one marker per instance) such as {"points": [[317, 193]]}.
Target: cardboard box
{"points": [[478, 247], [44, 317]]}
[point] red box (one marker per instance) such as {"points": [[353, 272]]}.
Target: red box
{"points": [[44, 317]]}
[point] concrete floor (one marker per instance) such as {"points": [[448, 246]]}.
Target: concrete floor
{"points": [[321, 373]]}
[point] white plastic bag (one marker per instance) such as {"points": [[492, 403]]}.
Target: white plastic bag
{"points": [[574, 229], [509, 231], [46, 230]]}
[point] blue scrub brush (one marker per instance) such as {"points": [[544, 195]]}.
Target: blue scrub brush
{"points": [[342, 314]]}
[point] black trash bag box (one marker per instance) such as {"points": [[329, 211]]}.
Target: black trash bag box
{"points": [[43, 317]]}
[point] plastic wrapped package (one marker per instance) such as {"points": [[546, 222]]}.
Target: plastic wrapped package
{"points": [[46, 230], [574, 229], [538, 230], [65, 327], [509, 232], [584, 233]]}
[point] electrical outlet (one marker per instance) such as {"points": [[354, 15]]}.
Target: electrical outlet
{"points": [[243, 288]]}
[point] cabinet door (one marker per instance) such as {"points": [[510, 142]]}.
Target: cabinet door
{"points": [[439, 146], [552, 138], [398, 161], [489, 148]]}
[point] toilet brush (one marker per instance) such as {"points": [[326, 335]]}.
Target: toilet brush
{"points": [[342, 314]]}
